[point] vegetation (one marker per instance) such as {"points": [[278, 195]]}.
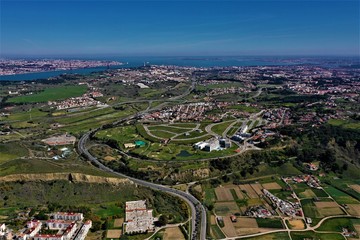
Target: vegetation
{"points": [[51, 94], [269, 223]]}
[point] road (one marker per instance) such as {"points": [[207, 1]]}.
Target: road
{"points": [[198, 212]]}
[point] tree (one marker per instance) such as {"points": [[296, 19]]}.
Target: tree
{"points": [[163, 220]]}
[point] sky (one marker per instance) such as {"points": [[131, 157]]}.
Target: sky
{"points": [[179, 28]]}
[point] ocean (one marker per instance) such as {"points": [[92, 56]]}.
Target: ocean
{"points": [[177, 61]]}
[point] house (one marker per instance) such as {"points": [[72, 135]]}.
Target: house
{"points": [[64, 139], [68, 216], [129, 145], [225, 143]]}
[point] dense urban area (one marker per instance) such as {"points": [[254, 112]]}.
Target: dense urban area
{"points": [[174, 152]]}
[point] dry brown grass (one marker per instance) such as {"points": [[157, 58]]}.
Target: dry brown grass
{"points": [[223, 194], [109, 158], [229, 228], [270, 186], [257, 188], [239, 193], [249, 191], [244, 222], [118, 222], [173, 233], [297, 224], [326, 204], [212, 220], [94, 235], [113, 233], [247, 231], [328, 208], [354, 209], [308, 193], [356, 187]]}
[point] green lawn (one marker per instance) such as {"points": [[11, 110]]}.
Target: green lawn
{"points": [[219, 128], [269, 223], [336, 224], [51, 94], [309, 209], [218, 234], [313, 235], [11, 151], [271, 236], [108, 210], [350, 124]]}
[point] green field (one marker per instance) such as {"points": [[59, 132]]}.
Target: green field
{"points": [[23, 166], [221, 127], [218, 234], [350, 124], [269, 223], [11, 151], [310, 209], [313, 235], [340, 196], [271, 236], [336, 224], [52, 94]]}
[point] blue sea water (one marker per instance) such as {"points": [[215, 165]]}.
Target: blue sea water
{"points": [[139, 61]]}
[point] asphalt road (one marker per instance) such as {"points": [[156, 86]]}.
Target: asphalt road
{"points": [[198, 213]]}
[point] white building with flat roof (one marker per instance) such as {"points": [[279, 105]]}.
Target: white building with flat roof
{"points": [[138, 218]]}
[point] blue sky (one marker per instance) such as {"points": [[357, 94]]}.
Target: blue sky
{"points": [[168, 28]]}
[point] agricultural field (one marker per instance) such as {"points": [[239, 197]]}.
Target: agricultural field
{"points": [[311, 235], [336, 224], [271, 236], [296, 224], [340, 196], [51, 94], [173, 233]]}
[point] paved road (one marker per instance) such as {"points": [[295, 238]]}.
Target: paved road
{"points": [[197, 210]]}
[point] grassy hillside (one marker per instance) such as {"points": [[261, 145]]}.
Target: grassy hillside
{"points": [[51, 94]]}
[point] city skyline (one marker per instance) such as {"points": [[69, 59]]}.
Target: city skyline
{"points": [[179, 28]]}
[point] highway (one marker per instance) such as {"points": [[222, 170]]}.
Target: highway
{"points": [[198, 212]]}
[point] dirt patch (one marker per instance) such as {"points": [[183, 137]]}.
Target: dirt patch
{"points": [[257, 188], [354, 209], [239, 193], [326, 204], [249, 191], [173, 233], [113, 233], [243, 222], [229, 228], [223, 194], [356, 187], [270, 186], [109, 158], [297, 224], [328, 208], [212, 220], [247, 231], [118, 222]]}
